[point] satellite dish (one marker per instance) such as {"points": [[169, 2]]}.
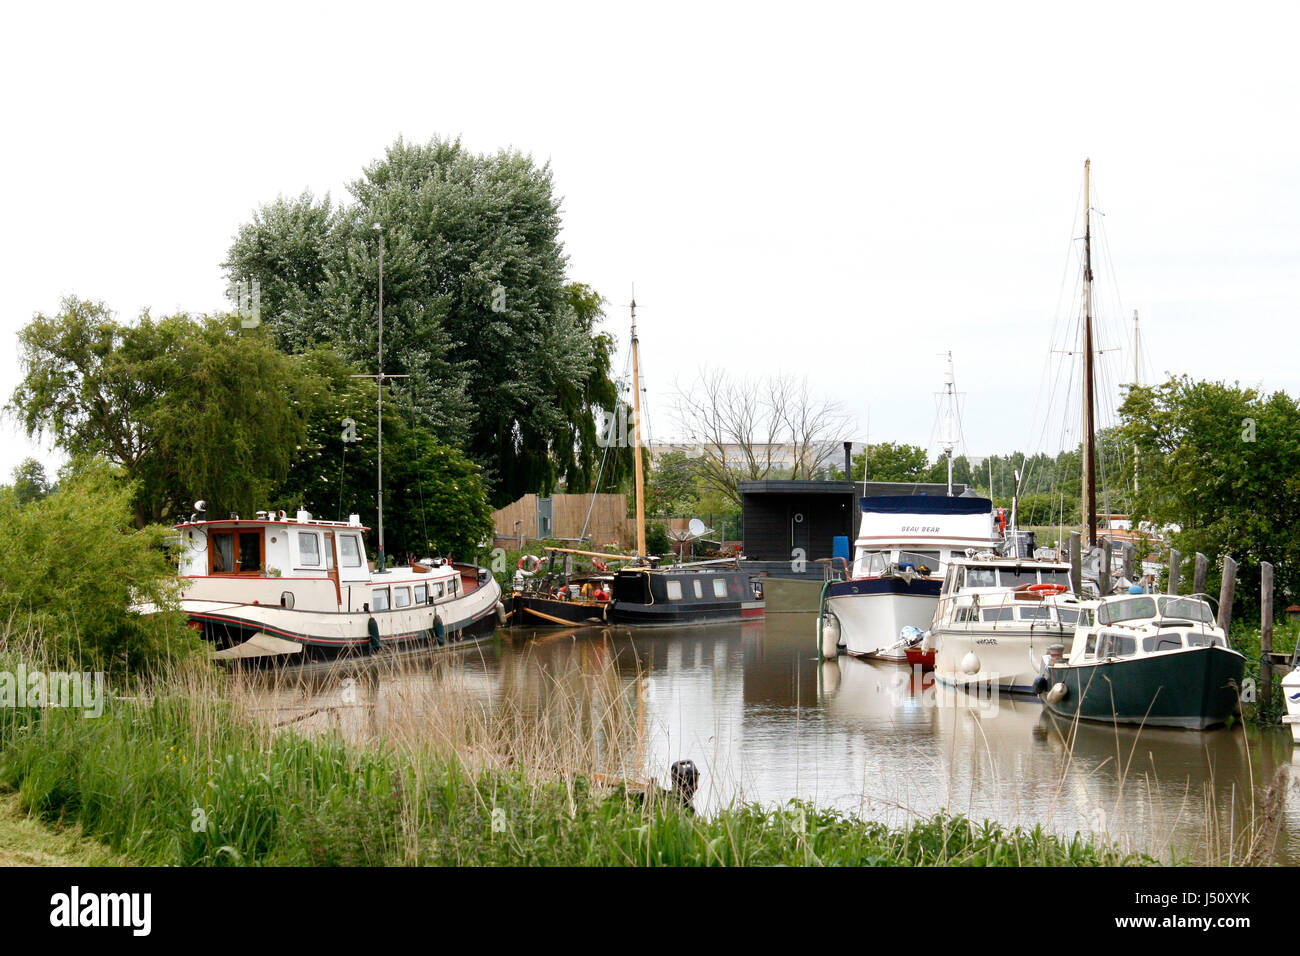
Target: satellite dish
{"points": [[696, 527]]}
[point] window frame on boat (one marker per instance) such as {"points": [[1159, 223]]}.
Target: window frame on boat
{"points": [[378, 595], [237, 551], [719, 587], [343, 541], [398, 594], [303, 561], [699, 589], [421, 593], [673, 585]]}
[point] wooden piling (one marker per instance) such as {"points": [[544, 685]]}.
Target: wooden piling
{"points": [[1076, 563], [1266, 628], [1226, 591], [1103, 568], [1175, 567], [1128, 551], [1202, 569]]}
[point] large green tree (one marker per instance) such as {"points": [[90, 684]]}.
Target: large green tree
{"points": [[503, 354], [435, 502], [1217, 468], [887, 461], [188, 407]]}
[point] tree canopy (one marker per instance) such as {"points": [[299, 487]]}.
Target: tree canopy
{"points": [[186, 406], [503, 353], [1217, 468]]}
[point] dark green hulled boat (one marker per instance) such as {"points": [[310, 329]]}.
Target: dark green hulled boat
{"points": [[1155, 660]]}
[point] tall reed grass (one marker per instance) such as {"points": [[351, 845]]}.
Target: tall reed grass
{"points": [[412, 765]]}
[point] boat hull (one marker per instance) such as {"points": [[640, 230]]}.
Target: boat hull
{"points": [[873, 611], [665, 596], [533, 610], [1195, 688], [1008, 658], [466, 619]]}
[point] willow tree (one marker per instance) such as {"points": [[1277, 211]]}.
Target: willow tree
{"points": [[501, 351], [188, 407]]}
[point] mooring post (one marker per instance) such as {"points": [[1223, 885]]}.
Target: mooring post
{"points": [[1076, 563], [1266, 628], [1129, 549], [1175, 566], [1202, 569], [1103, 568], [1226, 591]]}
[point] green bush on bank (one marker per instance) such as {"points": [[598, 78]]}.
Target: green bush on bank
{"points": [[73, 564]]}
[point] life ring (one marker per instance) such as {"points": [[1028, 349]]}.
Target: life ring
{"points": [[532, 561], [599, 565], [1047, 588]]}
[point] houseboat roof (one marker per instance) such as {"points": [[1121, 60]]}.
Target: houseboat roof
{"points": [[302, 518], [925, 504]]}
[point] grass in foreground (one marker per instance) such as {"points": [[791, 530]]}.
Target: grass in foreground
{"points": [[25, 841], [186, 777]]}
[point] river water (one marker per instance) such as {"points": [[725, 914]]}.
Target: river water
{"points": [[765, 722]]}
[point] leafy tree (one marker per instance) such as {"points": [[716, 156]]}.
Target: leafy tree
{"points": [[671, 484], [1217, 467], [961, 470], [30, 483], [502, 353], [72, 567], [434, 497], [891, 462], [189, 408]]}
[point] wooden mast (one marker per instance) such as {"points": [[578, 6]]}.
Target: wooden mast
{"points": [[636, 447], [1089, 424]]}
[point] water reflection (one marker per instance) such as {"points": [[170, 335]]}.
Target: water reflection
{"points": [[765, 721]]}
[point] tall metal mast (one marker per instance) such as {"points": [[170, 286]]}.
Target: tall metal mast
{"points": [[949, 412], [1137, 380], [1089, 423], [636, 448]]}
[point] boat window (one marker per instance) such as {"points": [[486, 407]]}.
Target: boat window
{"points": [[1162, 642], [720, 587], [421, 594], [929, 560], [1015, 577], [435, 590], [250, 552], [1068, 615], [966, 613], [1190, 608], [350, 550], [402, 597], [1090, 649], [1116, 645], [998, 614], [1038, 613], [981, 578], [452, 585], [1129, 609], [237, 552], [674, 590], [699, 588], [379, 599], [223, 553], [1202, 639], [1061, 577], [308, 549]]}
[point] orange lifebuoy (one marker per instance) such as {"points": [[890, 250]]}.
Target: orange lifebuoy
{"points": [[1047, 588], [532, 561]]}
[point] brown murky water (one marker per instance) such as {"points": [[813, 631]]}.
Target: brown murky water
{"points": [[764, 721]]}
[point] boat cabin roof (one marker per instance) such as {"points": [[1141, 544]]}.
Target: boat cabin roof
{"points": [[1133, 625]]}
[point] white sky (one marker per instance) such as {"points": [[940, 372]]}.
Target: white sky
{"points": [[842, 191]]}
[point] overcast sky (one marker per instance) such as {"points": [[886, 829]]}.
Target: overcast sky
{"points": [[839, 191]]}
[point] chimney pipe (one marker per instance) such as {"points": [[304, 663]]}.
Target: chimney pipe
{"points": [[848, 461]]}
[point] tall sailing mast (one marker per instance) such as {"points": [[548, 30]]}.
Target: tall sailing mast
{"points": [[1089, 423], [636, 447], [948, 438], [1137, 380]]}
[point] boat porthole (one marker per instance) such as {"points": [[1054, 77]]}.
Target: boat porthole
{"points": [[798, 517]]}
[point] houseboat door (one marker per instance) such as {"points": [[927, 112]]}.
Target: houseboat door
{"points": [[331, 566]]}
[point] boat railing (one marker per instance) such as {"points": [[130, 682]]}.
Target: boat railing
{"points": [[834, 569]]}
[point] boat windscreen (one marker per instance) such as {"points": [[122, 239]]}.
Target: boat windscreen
{"points": [[1130, 609], [1191, 609]]}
